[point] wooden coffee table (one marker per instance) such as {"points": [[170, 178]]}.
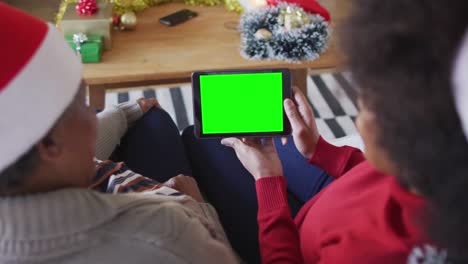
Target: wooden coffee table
{"points": [[155, 54]]}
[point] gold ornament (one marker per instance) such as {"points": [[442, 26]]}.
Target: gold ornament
{"points": [[293, 17], [128, 21], [263, 33], [204, 2], [61, 10], [234, 5], [123, 6]]}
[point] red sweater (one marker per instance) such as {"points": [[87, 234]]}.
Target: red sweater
{"points": [[364, 216]]}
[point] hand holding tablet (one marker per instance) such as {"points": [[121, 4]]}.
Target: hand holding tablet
{"points": [[246, 103]]}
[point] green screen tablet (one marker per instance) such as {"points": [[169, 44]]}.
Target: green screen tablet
{"points": [[241, 103]]}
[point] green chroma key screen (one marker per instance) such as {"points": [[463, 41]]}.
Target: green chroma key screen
{"points": [[241, 103]]}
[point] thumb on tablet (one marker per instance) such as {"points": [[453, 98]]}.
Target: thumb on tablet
{"points": [[231, 142], [305, 136]]}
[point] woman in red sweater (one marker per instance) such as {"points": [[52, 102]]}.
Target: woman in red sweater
{"points": [[405, 201]]}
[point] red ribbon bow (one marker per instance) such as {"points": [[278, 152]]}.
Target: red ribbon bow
{"points": [[86, 7]]}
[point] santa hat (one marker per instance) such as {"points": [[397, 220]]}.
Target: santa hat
{"points": [[311, 6], [39, 77], [460, 87]]}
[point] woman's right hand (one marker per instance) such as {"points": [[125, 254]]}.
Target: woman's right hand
{"points": [[147, 104], [302, 119]]}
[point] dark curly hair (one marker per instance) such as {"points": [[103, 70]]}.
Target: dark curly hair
{"points": [[401, 53]]}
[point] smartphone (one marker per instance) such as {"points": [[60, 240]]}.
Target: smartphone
{"points": [[177, 17]]}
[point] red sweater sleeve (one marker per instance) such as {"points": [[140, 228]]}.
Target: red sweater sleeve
{"points": [[336, 161], [278, 235]]}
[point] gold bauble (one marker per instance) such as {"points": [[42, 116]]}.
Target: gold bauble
{"points": [[263, 34], [128, 21], [293, 17]]}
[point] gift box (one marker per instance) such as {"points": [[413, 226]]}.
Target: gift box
{"points": [[88, 46], [99, 24]]}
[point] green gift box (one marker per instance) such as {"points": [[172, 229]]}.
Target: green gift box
{"points": [[99, 24], [90, 49]]}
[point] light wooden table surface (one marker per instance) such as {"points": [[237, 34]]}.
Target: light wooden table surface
{"points": [[155, 54]]}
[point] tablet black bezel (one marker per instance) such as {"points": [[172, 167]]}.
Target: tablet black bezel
{"points": [[197, 103]]}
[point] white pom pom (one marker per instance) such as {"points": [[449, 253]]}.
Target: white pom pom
{"points": [[460, 81]]}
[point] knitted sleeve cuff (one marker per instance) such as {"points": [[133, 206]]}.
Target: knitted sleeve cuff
{"points": [[271, 193], [131, 110], [331, 158]]}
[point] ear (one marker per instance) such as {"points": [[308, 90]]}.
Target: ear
{"points": [[49, 147], [367, 126], [375, 153]]}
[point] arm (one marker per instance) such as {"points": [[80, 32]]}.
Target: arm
{"points": [[193, 239], [117, 178], [278, 235], [112, 125], [212, 216], [336, 161], [279, 239]]}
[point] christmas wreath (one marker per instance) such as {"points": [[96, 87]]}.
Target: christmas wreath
{"points": [[283, 31]]}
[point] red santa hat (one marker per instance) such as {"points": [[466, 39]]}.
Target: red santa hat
{"points": [[460, 87], [39, 77], [311, 6]]}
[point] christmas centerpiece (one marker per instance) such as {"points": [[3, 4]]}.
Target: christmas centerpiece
{"points": [[293, 31]]}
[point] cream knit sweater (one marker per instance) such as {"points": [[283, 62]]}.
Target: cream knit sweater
{"points": [[84, 226]]}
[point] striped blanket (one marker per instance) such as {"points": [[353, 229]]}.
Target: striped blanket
{"points": [[112, 177], [333, 96]]}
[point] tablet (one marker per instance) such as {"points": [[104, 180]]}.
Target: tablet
{"points": [[241, 103]]}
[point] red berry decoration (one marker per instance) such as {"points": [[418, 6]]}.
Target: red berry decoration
{"points": [[86, 7], [116, 20]]}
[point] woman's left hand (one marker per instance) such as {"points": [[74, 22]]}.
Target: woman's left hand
{"points": [[147, 104], [186, 185], [259, 158]]}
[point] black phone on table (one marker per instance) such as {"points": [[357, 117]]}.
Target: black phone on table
{"points": [[177, 17]]}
